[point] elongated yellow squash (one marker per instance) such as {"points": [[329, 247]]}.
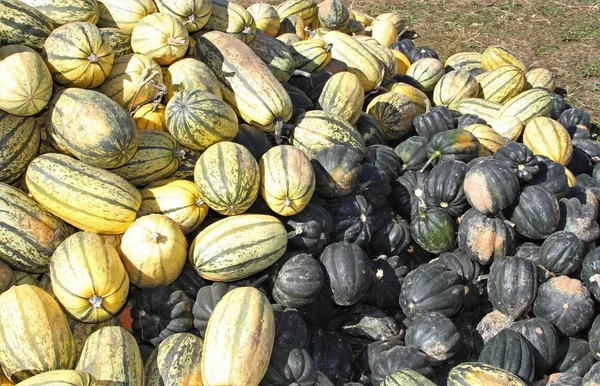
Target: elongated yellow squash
{"points": [[61, 378], [176, 361]]}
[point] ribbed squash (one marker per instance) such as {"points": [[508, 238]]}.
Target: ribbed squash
{"points": [[311, 55], [227, 177], [293, 24], [467, 61], [547, 137], [78, 56], [161, 37], [193, 14], [176, 199], [355, 28], [19, 144], [416, 96], [333, 15], [287, 180], [157, 157], [489, 140], [176, 361], [266, 18], [188, 74], [238, 246], [35, 333], [362, 17], [484, 109], [528, 105], [481, 374], [110, 138], [118, 40], [239, 339], [87, 197], [150, 116], [426, 73], [306, 9], [509, 127], [316, 130], [394, 112], [233, 19], [495, 57], [153, 250], [454, 87], [360, 62], [502, 84], [384, 31], [385, 56], [23, 24], [343, 95], [402, 62], [246, 83], [275, 54], [26, 86], [134, 80], [88, 278], [81, 331], [541, 77], [61, 378], [29, 234], [124, 14], [62, 12], [120, 362]]}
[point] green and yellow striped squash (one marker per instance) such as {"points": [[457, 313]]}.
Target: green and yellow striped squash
{"points": [[228, 178], [19, 144], [406, 377], [150, 116], [528, 105], [287, 180], [467, 61], [293, 24], [386, 57], [67, 11], [547, 137], [198, 119], [484, 109], [237, 247], [395, 17], [110, 138], [239, 339], [384, 31], [246, 83], [343, 95], [90, 198], [88, 278], [541, 77], [177, 199], [134, 80], [356, 28], [275, 54], [22, 24], [426, 72], [360, 61], [81, 331], [188, 74], [78, 56], [316, 130], [365, 39], [502, 84], [306, 9], [118, 40], [161, 37], [156, 158], [289, 38], [509, 127], [495, 57], [187, 165], [124, 14], [489, 140], [61, 378], [111, 355], [35, 333], [266, 18], [193, 14], [176, 362], [311, 55], [233, 19], [454, 87], [394, 112], [362, 17], [481, 374], [29, 234], [26, 86], [333, 15], [416, 96]]}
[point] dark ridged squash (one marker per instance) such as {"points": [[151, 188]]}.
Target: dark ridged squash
{"points": [[298, 280], [510, 351], [535, 213], [444, 187], [394, 112], [353, 220], [574, 357], [290, 366], [207, 298], [412, 153], [590, 272], [520, 159], [561, 253], [456, 144], [434, 334], [485, 238], [512, 285], [308, 230], [543, 338], [490, 186], [253, 139], [434, 230]]}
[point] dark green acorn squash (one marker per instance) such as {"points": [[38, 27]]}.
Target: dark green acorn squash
{"points": [[297, 280], [385, 158], [485, 238], [290, 328], [434, 230], [557, 106], [444, 187], [373, 184], [369, 129], [391, 234], [535, 213], [592, 378], [388, 276], [510, 351], [332, 355], [455, 144], [362, 321], [551, 175], [300, 101], [573, 117], [336, 171], [579, 219], [581, 162], [468, 120], [520, 159], [543, 338], [561, 253], [574, 357], [253, 139], [528, 251], [470, 343], [309, 229], [459, 262], [490, 186], [311, 85], [414, 256], [353, 220], [205, 303], [408, 192], [435, 335], [512, 285], [290, 366], [412, 153], [590, 273], [321, 312], [385, 361], [434, 121], [589, 146]]}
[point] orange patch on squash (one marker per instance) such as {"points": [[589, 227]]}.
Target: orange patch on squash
{"points": [[125, 319], [477, 192], [567, 285], [483, 242]]}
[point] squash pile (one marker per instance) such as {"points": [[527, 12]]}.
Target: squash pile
{"points": [[197, 193]]}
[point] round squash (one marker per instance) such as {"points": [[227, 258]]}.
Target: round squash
{"points": [[160, 37], [233, 19], [193, 14], [26, 86], [333, 15], [188, 74], [154, 251], [490, 186], [20, 139], [150, 116], [426, 73], [547, 137], [265, 17], [124, 14], [416, 96]]}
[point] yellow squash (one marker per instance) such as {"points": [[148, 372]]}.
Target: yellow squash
{"points": [[547, 137]]}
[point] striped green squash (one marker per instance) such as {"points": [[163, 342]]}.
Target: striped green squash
{"points": [[406, 377], [495, 57], [385, 56], [187, 165], [394, 112], [87, 197], [343, 96], [502, 84], [528, 105], [426, 73], [481, 374], [109, 137], [468, 61], [266, 18], [541, 77], [124, 14], [233, 19], [306, 9], [484, 109], [119, 41], [22, 24], [81, 331], [29, 234], [161, 37], [275, 54], [35, 333], [198, 119], [333, 15], [111, 355], [311, 55], [156, 158], [61, 378], [316, 130], [228, 178], [176, 361], [237, 247], [454, 87], [19, 144], [194, 14], [67, 11], [246, 83], [188, 74]]}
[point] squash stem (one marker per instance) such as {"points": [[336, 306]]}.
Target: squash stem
{"points": [[430, 160], [96, 301], [328, 47], [300, 73]]}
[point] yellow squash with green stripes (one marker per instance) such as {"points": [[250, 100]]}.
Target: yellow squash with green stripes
{"points": [[502, 84], [61, 378], [193, 14], [467, 61], [426, 72], [19, 144], [311, 55], [35, 333], [239, 339], [266, 18], [481, 374], [188, 74], [307, 9], [233, 19], [385, 56], [484, 109], [528, 105], [67, 11], [23, 24], [394, 112], [124, 14], [495, 57], [489, 140], [541, 77], [275, 54], [161, 37], [176, 361], [237, 247], [333, 15], [454, 87], [118, 40], [509, 127], [81, 331], [87, 197], [416, 96], [150, 116], [343, 95], [548, 137]]}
